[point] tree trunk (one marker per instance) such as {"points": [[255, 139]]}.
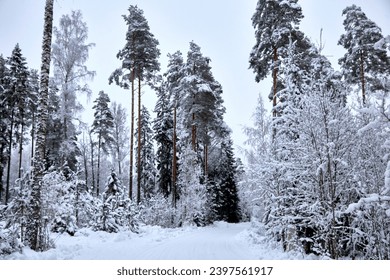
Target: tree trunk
{"points": [[193, 132], [92, 163], [274, 76], [98, 167], [205, 160], [131, 138], [21, 150], [32, 137], [174, 160], [35, 233], [139, 143], [362, 78], [9, 158]]}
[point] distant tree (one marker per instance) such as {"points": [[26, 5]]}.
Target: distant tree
{"points": [[102, 126], [163, 126], [147, 162], [224, 190], [69, 54], [17, 96], [120, 135], [364, 59], [192, 204]]}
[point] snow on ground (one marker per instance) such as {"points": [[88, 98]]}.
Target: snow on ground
{"points": [[220, 241]]}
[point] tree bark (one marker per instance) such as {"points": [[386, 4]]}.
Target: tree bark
{"points": [[131, 137], [174, 160], [35, 233], [274, 76], [92, 162], [9, 158], [98, 167], [362, 78], [21, 151], [139, 143]]}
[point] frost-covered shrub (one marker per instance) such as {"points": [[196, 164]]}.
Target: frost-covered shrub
{"points": [[10, 240], [58, 202], [113, 211], [158, 211]]}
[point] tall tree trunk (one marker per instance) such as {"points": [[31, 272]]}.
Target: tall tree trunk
{"points": [[174, 160], [9, 158], [21, 151], [2, 149], [92, 162], [35, 233], [274, 76], [98, 167], [118, 151], [32, 136], [274, 89], [139, 143], [132, 137], [206, 160], [193, 134], [85, 160], [362, 78]]}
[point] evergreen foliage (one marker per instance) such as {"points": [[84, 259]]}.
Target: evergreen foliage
{"points": [[147, 163], [102, 127]]}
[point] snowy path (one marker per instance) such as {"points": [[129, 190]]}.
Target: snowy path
{"points": [[220, 241]]}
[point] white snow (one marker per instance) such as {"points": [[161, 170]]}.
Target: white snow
{"points": [[220, 241]]}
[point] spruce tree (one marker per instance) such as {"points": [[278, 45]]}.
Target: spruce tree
{"points": [[17, 96], [147, 162], [102, 126], [163, 126], [4, 121], [223, 190]]}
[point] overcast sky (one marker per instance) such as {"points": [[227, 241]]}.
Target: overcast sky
{"points": [[222, 28]]}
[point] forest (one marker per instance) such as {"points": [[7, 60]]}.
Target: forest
{"points": [[316, 173]]}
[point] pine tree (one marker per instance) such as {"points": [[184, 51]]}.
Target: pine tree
{"points": [[274, 21], [364, 59], [139, 60], [102, 126], [174, 76]]}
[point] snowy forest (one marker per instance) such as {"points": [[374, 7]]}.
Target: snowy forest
{"points": [[314, 176]]}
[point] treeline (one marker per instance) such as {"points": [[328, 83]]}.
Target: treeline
{"points": [[319, 167], [73, 177]]}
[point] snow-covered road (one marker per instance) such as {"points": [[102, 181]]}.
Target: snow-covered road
{"points": [[220, 241]]}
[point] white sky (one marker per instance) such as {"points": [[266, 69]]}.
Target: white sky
{"points": [[222, 28]]}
